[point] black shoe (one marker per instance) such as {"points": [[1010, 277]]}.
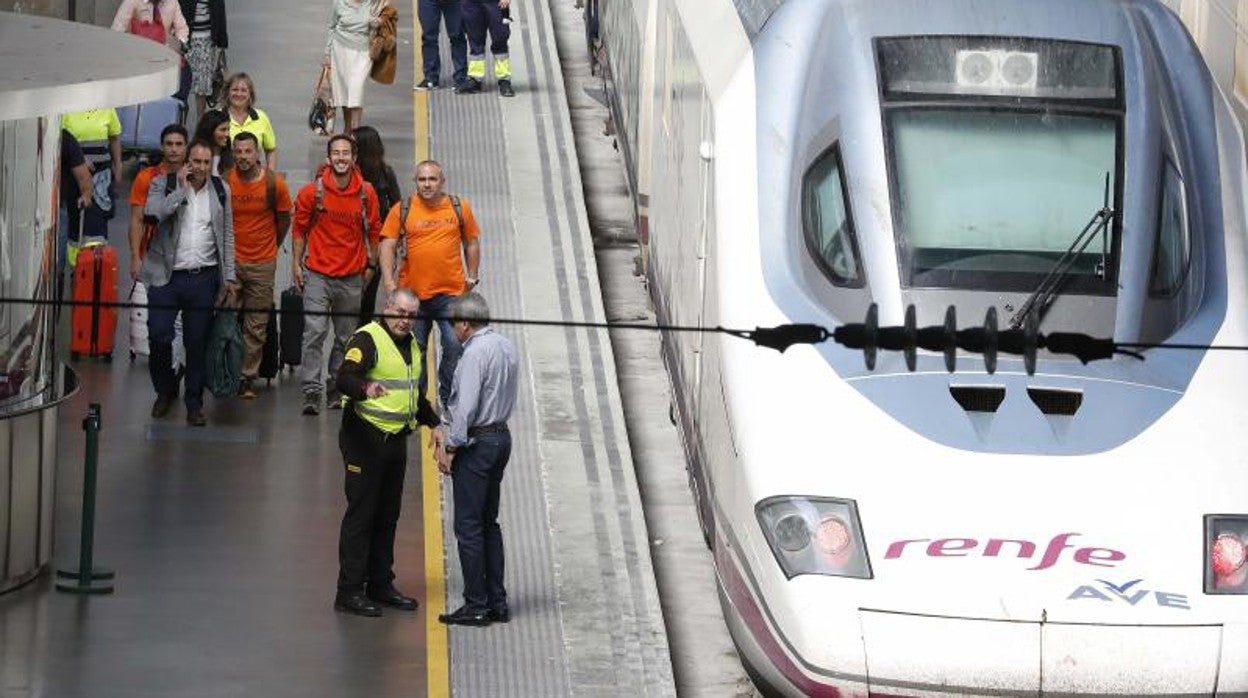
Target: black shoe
{"points": [[468, 87], [392, 598], [425, 84], [311, 404], [196, 418], [357, 604], [499, 615], [505, 89], [160, 408], [462, 616]]}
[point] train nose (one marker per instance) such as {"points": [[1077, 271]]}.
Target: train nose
{"points": [[962, 656], [954, 655]]}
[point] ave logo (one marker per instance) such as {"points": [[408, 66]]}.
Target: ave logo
{"points": [[1129, 593]]}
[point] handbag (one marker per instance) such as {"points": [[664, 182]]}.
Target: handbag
{"points": [[224, 366], [217, 98], [321, 115], [154, 30]]}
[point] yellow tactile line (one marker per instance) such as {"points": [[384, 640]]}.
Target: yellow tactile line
{"points": [[437, 648]]}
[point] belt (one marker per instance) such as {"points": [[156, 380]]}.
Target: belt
{"points": [[197, 270], [487, 429]]}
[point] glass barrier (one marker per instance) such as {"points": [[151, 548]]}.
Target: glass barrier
{"points": [[29, 188]]}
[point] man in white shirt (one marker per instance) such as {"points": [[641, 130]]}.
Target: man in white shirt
{"points": [[189, 267]]}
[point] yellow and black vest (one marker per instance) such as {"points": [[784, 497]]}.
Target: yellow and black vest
{"points": [[397, 408]]}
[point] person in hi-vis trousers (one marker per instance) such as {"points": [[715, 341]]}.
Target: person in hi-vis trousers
{"points": [[481, 16]]}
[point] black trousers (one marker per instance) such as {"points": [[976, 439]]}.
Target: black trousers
{"points": [[478, 476], [375, 463]]}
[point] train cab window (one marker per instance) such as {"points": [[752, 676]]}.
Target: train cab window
{"points": [[828, 228], [1173, 250], [1000, 152]]}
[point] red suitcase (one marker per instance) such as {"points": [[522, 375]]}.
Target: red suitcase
{"points": [[95, 282]]}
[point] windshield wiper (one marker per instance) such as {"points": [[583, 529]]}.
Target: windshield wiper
{"points": [[1040, 299]]}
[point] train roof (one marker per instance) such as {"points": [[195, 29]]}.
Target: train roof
{"points": [[1096, 19]]}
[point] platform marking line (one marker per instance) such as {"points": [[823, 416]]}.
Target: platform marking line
{"points": [[437, 645]]}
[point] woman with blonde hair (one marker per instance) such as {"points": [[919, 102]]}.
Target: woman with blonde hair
{"points": [[351, 24], [240, 100]]}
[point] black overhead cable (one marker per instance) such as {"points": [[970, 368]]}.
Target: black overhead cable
{"points": [[946, 339]]}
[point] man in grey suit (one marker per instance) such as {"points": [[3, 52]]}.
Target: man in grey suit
{"points": [[188, 268]]}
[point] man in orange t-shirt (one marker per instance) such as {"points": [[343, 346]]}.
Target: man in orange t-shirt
{"points": [[336, 224], [172, 156], [437, 232], [173, 141], [262, 209]]}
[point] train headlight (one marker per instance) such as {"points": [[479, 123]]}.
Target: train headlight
{"points": [[1226, 554], [814, 535]]}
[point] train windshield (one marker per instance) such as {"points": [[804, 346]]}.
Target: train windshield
{"points": [[999, 153]]}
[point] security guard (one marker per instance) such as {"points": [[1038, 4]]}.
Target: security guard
{"points": [[379, 377]]}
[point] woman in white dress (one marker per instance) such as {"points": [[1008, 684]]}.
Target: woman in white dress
{"points": [[347, 55]]}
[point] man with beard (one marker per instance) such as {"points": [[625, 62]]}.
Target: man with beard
{"points": [[336, 226], [262, 208], [172, 156], [188, 260]]}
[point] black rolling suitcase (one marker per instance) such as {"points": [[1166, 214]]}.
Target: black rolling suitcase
{"points": [[271, 354], [291, 333]]}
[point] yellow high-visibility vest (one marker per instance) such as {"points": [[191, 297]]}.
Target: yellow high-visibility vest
{"points": [[397, 408]]}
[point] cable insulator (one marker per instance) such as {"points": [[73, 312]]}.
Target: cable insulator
{"points": [[951, 339], [911, 338], [990, 340], [1031, 342]]}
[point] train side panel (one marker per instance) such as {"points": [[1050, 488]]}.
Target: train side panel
{"points": [[680, 199]]}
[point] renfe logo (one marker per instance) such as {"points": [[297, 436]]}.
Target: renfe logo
{"points": [[1000, 547]]}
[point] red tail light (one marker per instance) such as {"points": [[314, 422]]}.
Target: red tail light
{"points": [[1226, 568]]}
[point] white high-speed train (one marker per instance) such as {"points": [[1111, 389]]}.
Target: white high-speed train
{"points": [[1081, 530]]}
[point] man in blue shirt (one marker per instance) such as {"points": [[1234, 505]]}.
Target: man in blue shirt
{"points": [[473, 447]]}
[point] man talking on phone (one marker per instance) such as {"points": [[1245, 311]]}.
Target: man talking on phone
{"points": [[188, 268]]}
